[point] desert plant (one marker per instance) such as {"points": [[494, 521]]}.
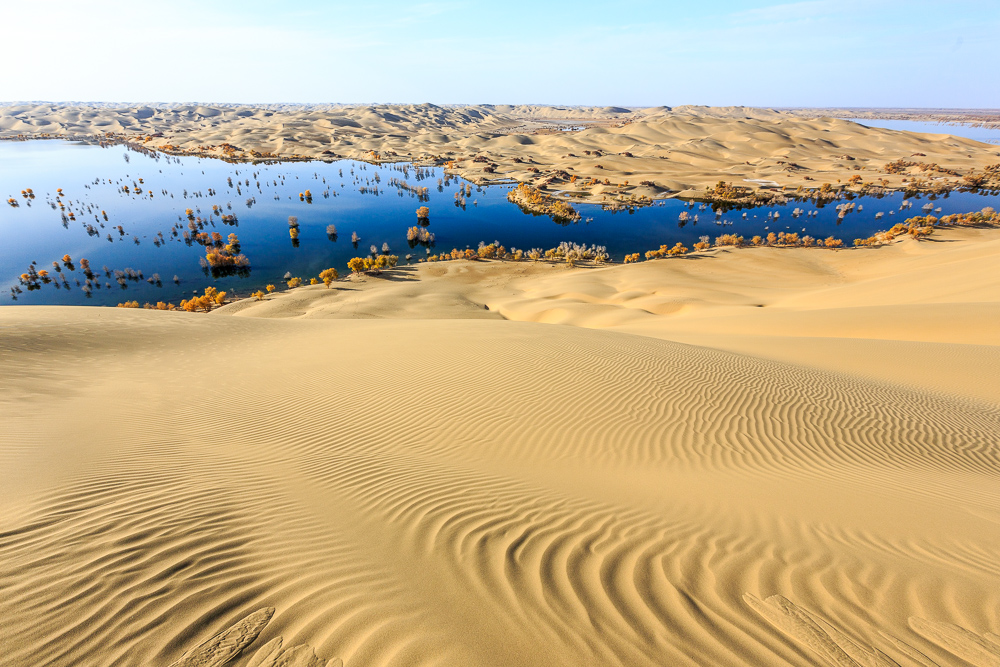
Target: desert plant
{"points": [[356, 264], [328, 276]]}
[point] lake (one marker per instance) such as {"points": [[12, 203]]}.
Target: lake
{"points": [[985, 134], [355, 197]]}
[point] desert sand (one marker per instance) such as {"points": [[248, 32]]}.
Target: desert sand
{"points": [[617, 155], [751, 457]]}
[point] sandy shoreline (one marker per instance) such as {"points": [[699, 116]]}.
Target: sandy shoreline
{"points": [[611, 155], [767, 456]]}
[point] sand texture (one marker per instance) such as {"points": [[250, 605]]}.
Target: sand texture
{"points": [[631, 153], [757, 457]]}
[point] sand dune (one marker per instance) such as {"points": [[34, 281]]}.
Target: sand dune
{"points": [[650, 153], [732, 460]]}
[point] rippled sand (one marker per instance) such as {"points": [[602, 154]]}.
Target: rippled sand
{"points": [[763, 457]]}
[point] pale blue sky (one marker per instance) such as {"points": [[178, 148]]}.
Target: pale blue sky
{"points": [[641, 53]]}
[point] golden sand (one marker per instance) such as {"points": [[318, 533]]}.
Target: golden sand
{"points": [[754, 457]]}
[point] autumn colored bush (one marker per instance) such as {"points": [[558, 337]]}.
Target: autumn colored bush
{"points": [[417, 234], [211, 297], [533, 200], [219, 255], [634, 257], [665, 251], [328, 276], [486, 251], [294, 282], [356, 264], [729, 240]]}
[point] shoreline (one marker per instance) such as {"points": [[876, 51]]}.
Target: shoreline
{"points": [[879, 241], [918, 227]]}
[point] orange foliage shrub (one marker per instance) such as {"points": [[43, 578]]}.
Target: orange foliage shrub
{"points": [[729, 239], [328, 276]]}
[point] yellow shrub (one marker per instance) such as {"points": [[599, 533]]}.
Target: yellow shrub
{"points": [[328, 276]]}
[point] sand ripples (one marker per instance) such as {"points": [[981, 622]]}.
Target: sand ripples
{"points": [[437, 493]]}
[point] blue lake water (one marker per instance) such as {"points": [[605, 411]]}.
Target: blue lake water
{"points": [[984, 134], [92, 177]]}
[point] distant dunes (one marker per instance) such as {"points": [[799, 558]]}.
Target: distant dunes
{"points": [[623, 154]]}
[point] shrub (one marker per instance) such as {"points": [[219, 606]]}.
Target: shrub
{"points": [[258, 295], [220, 256], [634, 257], [356, 264], [831, 242], [664, 251], [679, 249], [376, 264], [269, 288], [419, 235], [294, 282], [328, 276], [532, 200], [211, 297]]}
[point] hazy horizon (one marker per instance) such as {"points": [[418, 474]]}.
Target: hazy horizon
{"points": [[211, 103], [817, 53]]}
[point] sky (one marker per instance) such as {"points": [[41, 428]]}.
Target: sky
{"points": [[816, 53]]}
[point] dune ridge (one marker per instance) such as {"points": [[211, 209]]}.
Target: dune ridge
{"points": [[624, 476]]}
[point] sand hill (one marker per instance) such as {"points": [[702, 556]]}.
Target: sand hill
{"points": [[757, 457], [616, 154]]}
